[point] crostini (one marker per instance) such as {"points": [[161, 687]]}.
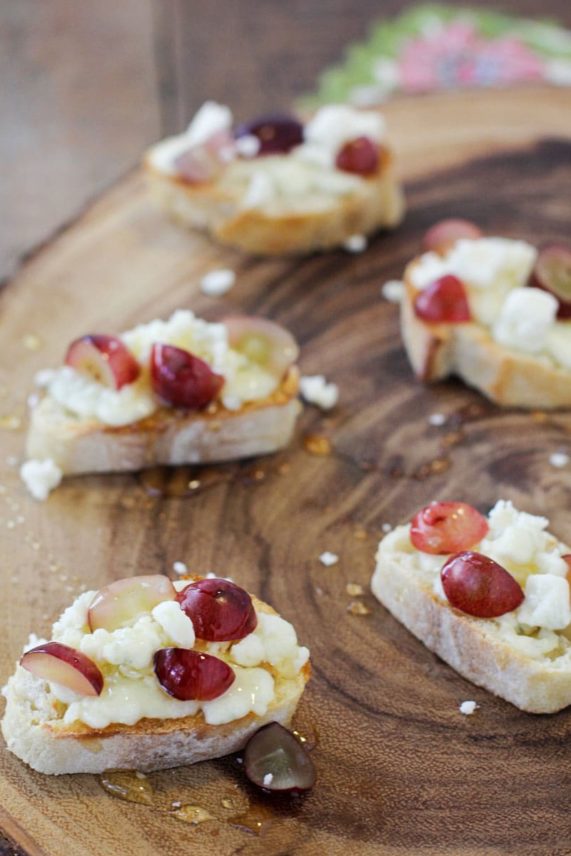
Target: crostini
{"points": [[277, 186], [493, 311], [149, 674], [181, 391], [490, 596]]}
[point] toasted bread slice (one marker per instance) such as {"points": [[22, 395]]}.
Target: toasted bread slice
{"points": [[481, 650], [374, 203], [166, 437], [468, 350], [35, 732]]}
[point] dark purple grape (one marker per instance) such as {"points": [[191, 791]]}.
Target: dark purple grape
{"points": [[275, 760], [278, 133], [191, 675], [220, 610]]}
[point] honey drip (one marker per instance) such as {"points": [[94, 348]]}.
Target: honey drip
{"points": [[180, 481], [255, 819], [193, 814], [317, 444], [127, 785]]}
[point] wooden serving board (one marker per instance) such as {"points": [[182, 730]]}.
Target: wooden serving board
{"points": [[400, 770]]}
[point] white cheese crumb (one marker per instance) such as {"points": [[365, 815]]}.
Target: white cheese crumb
{"points": [[527, 316], [268, 779], [179, 568], [559, 459], [260, 191], [40, 477], [247, 146], [316, 390], [468, 707], [386, 527], [217, 282], [437, 419], [175, 623], [355, 244], [393, 290], [546, 602], [44, 377], [328, 559], [209, 120]]}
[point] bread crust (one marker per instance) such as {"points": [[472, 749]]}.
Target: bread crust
{"points": [[378, 203], [49, 746], [168, 437], [472, 646], [467, 350]]}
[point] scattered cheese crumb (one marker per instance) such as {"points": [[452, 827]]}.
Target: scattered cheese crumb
{"points": [[468, 707], [328, 559], [217, 282], [559, 459], [386, 527], [316, 390], [355, 244], [268, 779], [393, 290], [40, 477], [247, 146], [179, 568], [436, 419]]}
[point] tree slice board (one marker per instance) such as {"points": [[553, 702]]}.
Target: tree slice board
{"points": [[400, 770]]}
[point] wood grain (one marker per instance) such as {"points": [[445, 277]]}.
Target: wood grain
{"points": [[400, 770]]}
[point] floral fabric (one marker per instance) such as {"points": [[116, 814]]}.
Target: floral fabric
{"points": [[431, 48]]}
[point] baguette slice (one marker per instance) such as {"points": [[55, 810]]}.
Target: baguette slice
{"points": [[467, 350], [35, 735], [279, 203], [167, 437], [216, 207], [474, 647]]}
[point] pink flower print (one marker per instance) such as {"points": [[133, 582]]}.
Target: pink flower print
{"points": [[456, 56]]}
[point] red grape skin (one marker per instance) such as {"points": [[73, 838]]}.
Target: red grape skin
{"points": [[53, 661], [444, 234], [276, 751], [552, 273], [191, 675], [220, 610], [181, 379], [443, 302], [359, 156], [278, 133], [477, 585], [106, 359], [447, 527]]}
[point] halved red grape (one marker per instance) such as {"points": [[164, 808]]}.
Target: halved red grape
{"points": [[278, 133], [443, 302], [359, 156], [106, 359], [205, 161], [65, 666], [552, 273], [477, 585], [443, 235], [181, 379], [118, 603], [264, 342], [275, 760], [192, 676], [447, 527], [220, 610]]}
